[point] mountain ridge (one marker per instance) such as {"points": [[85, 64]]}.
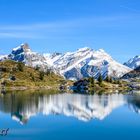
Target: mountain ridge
{"points": [[84, 62], [133, 62]]}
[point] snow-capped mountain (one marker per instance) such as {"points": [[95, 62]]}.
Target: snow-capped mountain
{"points": [[86, 62], [134, 74], [82, 63], [3, 57], [133, 62], [24, 54]]}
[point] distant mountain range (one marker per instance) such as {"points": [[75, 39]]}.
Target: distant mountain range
{"points": [[84, 62], [133, 62], [133, 74]]}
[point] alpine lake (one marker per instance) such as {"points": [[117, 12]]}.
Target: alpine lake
{"points": [[69, 116]]}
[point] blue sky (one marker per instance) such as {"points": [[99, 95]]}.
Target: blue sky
{"points": [[66, 25]]}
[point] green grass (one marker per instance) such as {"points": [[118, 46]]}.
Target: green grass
{"points": [[105, 87], [27, 77]]}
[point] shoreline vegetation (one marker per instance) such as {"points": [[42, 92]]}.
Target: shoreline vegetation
{"points": [[17, 76], [108, 85]]}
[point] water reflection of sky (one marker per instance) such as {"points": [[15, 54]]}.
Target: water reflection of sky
{"points": [[82, 107], [51, 117]]}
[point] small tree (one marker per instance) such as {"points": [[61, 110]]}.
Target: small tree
{"points": [[48, 72], [100, 79], [20, 66], [32, 77], [0, 73], [41, 75], [117, 82], [37, 68], [107, 79], [111, 80], [92, 81]]}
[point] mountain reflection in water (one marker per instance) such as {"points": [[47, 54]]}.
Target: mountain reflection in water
{"points": [[83, 107]]}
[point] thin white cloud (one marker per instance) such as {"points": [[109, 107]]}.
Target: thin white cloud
{"points": [[64, 23], [42, 30], [18, 35], [129, 8]]}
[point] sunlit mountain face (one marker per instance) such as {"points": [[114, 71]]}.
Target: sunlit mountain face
{"points": [[82, 63], [83, 107], [133, 62]]}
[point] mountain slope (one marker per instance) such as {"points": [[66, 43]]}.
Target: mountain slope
{"points": [[133, 74], [133, 62], [16, 74], [24, 54], [86, 62], [3, 57], [82, 63]]}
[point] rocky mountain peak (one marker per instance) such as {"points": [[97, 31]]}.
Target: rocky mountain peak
{"points": [[26, 47], [133, 62], [84, 49], [84, 62], [23, 48]]}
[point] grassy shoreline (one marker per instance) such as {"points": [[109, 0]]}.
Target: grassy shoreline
{"points": [[17, 76]]}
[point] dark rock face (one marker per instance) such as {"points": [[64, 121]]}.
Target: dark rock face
{"points": [[24, 54], [23, 48], [138, 69], [81, 85], [133, 62], [18, 57], [133, 74], [19, 53], [73, 73]]}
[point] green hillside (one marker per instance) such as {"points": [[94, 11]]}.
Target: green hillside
{"points": [[17, 75]]}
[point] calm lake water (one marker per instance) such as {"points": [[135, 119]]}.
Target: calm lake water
{"points": [[70, 116]]}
